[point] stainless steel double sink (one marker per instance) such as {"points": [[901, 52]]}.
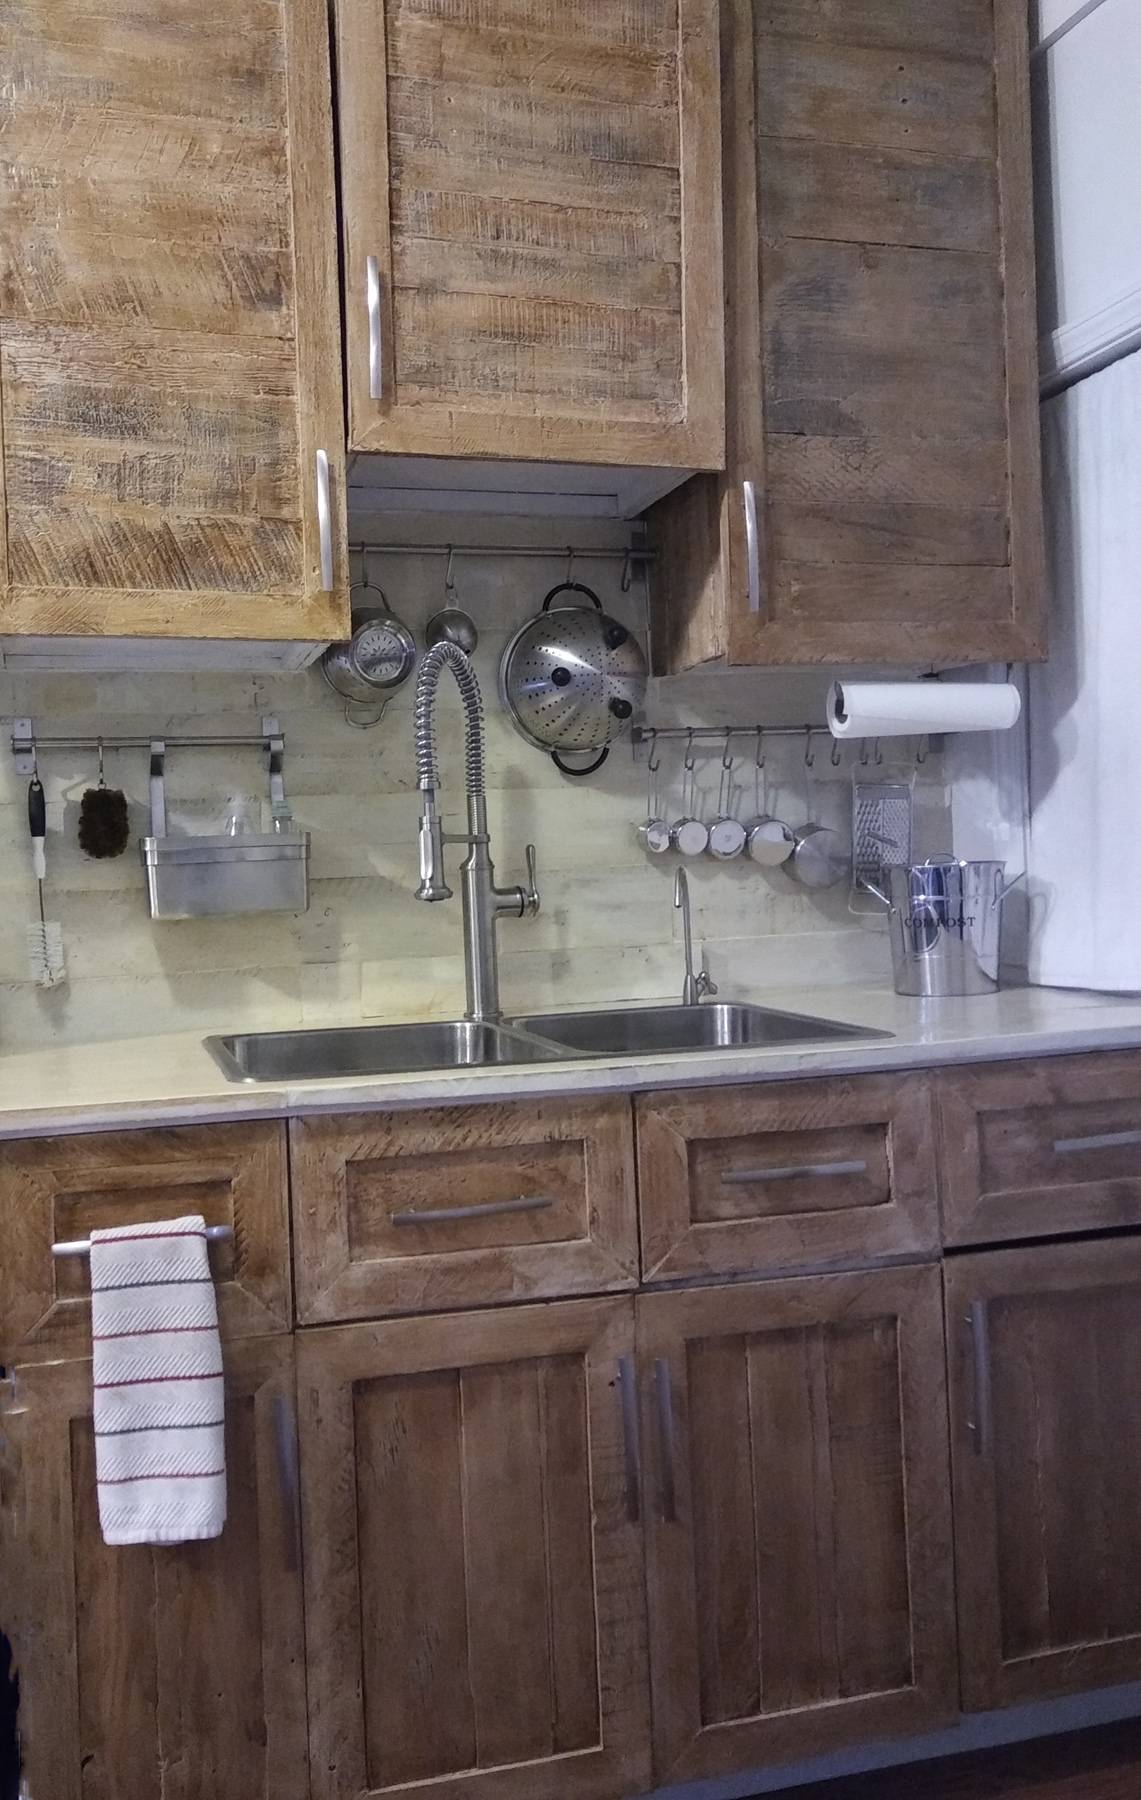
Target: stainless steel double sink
{"points": [[284, 1056]]}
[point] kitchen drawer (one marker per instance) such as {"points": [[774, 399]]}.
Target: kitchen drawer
{"points": [[461, 1206], [56, 1189], [784, 1175], [1033, 1149]]}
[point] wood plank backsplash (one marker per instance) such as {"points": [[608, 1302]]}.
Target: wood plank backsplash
{"points": [[367, 947]]}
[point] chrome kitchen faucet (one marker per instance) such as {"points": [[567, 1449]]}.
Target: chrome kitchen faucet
{"points": [[483, 902]]}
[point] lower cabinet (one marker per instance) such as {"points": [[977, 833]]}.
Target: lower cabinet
{"points": [[145, 1671], [1045, 1354], [474, 1587], [799, 1536]]}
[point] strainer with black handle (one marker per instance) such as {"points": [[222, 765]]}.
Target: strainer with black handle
{"points": [[572, 678]]}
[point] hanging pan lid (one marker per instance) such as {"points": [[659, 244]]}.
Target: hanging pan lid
{"points": [[572, 677]]}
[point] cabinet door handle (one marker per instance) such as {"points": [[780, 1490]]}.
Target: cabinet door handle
{"points": [[631, 1436], [752, 547], [375, 360], [663, 1392], [486, 1209], [1102, 1140], [981, 1422], [738, 1177], [324, 521], [288, 1477]]}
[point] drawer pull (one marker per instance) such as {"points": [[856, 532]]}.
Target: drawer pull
{"points": [[631, 1439], [663, 1389], [738, 1177], [372, 295], [981, 1422], [486, 1209], [1104, 1140], [215, 1234], [285, 1441], [752, 548]]}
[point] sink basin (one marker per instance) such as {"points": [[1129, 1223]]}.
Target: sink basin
{"points": [[374, 1050], [632, 1031], [540, 1038]]}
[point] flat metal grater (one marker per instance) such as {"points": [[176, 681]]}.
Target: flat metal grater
{"points": [[881, 835]]}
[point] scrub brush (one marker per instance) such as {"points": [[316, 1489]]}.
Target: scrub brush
{"points": [[104, 825], [45, 940]]}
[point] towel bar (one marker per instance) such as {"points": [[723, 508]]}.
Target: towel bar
{"points": [[82, 1246]]}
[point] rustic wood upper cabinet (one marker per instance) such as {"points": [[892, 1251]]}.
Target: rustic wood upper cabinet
{"points": [[176, 1670], [1045, 1346], [531, 202], [169, 339], [473, 1559], [798, 1524], [882, 495]]}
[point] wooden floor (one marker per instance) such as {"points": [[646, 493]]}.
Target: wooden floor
{"points": [[1085, 1765]]}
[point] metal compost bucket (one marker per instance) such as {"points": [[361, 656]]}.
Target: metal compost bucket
{"points": [[945, 920]]}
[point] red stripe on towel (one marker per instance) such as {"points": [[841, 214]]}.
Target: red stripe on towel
{"points": [[149, 1380], [175, 1475], [109, 1337], [146, 1237]]}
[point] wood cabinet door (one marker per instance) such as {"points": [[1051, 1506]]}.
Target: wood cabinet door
{"points": [[882, 497], [57, 1190], [786, 1174], [169, 338], [462, 1206], [1031, 1149], [1045, 1348], [473, 1557], [798, 1520], [143, 1671], [532, 229]]}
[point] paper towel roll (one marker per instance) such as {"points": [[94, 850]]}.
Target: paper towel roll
{"points": [[880, 709]]}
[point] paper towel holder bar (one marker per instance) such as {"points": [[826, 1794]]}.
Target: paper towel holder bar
{"points": [[215, 1234]]}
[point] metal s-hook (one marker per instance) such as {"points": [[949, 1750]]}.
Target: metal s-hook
{"points": [[570, 564], [726, 754], [760, 756], [877, 752], [922, 749], [627, 571], [688, 762], [655, 761], [836, 753], [809, 755], [449, 576], [102, 782]]}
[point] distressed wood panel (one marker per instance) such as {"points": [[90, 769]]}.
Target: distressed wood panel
{"points": [[873, 196], [1034, 1149], [950, 27], [427, 265], [351, 1175], [1047, 1501], [800, 1597], [880, 351], [885, 99], [175, 1669], [537, 189], [167, 302], [54, 1190], [474, 1582], [891, 533], [736, 1179], [458, 55]]}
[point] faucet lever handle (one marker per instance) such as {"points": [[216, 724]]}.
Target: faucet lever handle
{"points": [[531, 899]]}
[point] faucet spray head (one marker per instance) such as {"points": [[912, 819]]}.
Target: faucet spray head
{"points": [[433, 885]]}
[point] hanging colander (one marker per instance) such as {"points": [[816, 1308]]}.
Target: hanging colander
{"points": [[571, 678]]}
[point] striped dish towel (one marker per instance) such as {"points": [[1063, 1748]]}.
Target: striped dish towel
{"points": [[159, 1442]]}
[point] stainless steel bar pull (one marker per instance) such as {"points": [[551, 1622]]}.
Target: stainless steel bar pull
{"points": [[752, 547], [631, 1438], [738, 1177], [324, 521], [484, 1209], [981, 1422], [375, 346], [82, 1246], [1102, 1140]]}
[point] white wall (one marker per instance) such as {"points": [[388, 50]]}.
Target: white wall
{"points": [[1087, 156]]}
